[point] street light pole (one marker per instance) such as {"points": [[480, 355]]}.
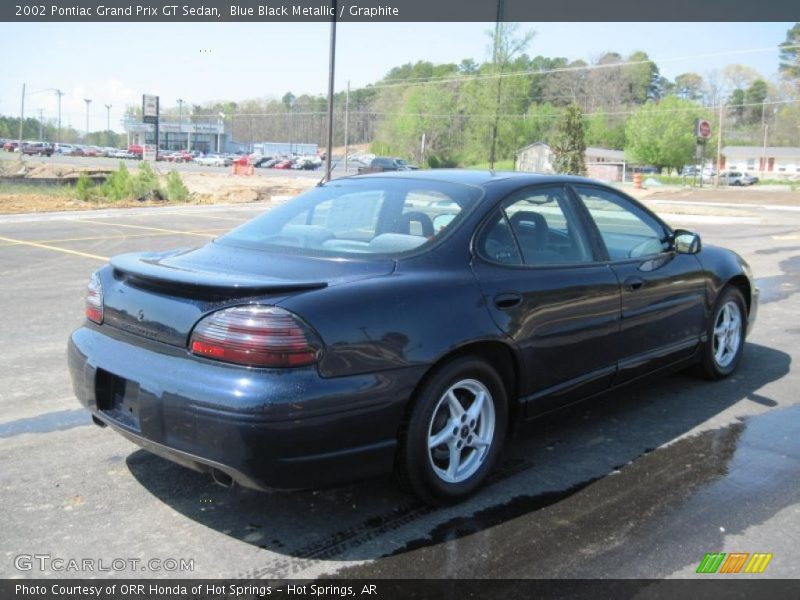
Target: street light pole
{"points": [[331, 73], [59, 93], [88, 102], [108, 116], [346, 126], [21, 120]]}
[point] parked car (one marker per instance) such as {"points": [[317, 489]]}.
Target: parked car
{"points": [[136, 150], [401, 321], [214, 160], [387, 163], [37, 148], [64, 149], [284, 164], [269, 163], [736, 178], [10, 146]]}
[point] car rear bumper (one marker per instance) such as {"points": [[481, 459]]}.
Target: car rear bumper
{"points": [[263, 428]]}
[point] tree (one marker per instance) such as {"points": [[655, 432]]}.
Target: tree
{"points": [[662, 134], [789, 65], [756, 95], [739, 76], [569, 148], [689, 86], [736, 102], [506, 45]]}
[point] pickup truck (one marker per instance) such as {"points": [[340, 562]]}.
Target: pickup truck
{"points": [[387, 163]]}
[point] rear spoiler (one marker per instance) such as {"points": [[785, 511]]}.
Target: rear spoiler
{"points": [[152, 268]]}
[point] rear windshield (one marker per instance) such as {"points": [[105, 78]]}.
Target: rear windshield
{"points": [[360, 217]]}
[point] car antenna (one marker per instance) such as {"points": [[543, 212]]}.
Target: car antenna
{"points": [[321, 181]]}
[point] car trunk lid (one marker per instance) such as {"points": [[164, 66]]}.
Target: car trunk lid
{"points": [[161, 296]]}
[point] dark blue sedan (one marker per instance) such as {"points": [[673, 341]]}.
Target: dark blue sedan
{"points": [[400, 323]]}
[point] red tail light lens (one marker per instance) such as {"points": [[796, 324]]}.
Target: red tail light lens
{"points": [[258, 336], [94, 300]]}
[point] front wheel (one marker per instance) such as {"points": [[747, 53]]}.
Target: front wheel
{"points": [[726, 333], [455, 431]]}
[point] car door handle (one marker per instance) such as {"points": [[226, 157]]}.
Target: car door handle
{"points": [[507, 300], [633, 284]]}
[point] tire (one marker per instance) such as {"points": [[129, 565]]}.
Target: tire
{"points": [[430, 473], [726, 332]]}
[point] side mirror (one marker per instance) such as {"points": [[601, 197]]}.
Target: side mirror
{"points": [[686, 242]]}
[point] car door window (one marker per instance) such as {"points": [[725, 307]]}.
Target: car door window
{"points": [[627, 231], [535, 226]]}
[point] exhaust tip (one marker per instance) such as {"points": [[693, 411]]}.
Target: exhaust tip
{"points": [[221, 478]]}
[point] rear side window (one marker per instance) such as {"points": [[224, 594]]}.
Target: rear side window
{"points": [[366, 216]]}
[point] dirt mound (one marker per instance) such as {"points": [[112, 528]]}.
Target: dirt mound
{"points": [[215, 188]]}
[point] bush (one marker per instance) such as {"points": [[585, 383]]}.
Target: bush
{"points": [[176, 190], [118, 186], [144, 185], [84, 188]]}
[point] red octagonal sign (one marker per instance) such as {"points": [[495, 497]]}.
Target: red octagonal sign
{"points": [[702, 129]]}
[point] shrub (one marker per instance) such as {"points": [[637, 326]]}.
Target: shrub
{"points": [[176, 190], [144, 184], [118, 185], [84, 188]]}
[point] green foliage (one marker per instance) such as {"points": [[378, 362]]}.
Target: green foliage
{"points": [[662, 134], [176, 190], [790, 56], [84, 188], [569, 149], [144, 185], [118, 185]]}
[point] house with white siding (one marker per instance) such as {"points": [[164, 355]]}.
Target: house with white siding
{"points": [[765, 161]]}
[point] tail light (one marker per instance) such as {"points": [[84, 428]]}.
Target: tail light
{"points": [[258, 336], [94, 300]]}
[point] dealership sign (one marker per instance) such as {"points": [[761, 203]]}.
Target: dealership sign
{"points": [[149, 108]]}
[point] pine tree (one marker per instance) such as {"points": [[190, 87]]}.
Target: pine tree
{"points": [[570, 146]]}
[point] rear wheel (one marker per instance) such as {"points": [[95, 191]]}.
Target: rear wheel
{"points": [[726, 333], [455, 431]]}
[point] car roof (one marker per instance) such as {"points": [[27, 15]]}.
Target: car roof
{"points": [[477, 177]]}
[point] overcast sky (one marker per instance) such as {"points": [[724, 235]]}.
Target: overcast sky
{"points": [[115, 63]]}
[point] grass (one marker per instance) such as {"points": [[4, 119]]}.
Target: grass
{"points": [[499, 165], [39, 190]]}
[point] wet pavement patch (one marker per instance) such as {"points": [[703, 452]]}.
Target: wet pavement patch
{"points": [[53, 421]]}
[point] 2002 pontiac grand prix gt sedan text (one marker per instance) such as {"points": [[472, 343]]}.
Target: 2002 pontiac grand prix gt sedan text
{"points": [[399, 322]]}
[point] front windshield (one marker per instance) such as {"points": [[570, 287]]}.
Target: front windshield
{"points": [[358, 217]]}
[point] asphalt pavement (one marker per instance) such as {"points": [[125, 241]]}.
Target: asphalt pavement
{"points": [[641, 483]]}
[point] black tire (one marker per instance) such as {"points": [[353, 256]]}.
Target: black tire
{"points": [[415, 470], [710, 367]]}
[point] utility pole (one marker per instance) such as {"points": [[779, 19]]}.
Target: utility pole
{"points": [[21, 120], [41, 124], [331, 73], [108, 117], [495, 57], [719, 142], [346, 126], [59, 93], [180, 120], [88, 102]]}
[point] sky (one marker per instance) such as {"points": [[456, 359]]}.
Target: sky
{"points": [[115, 63]]}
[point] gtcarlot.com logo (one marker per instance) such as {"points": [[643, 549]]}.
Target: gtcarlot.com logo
{"points": [[734, 562], [57, 564]]}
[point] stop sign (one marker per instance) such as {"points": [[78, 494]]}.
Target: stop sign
{"points": [[702, 129]]}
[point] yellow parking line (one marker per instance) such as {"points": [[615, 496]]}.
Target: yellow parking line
{"points": [[98, 222], [57, 249], [787, 237], [111, 237]]}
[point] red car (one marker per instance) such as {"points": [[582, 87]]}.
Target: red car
{"points": [[284, 164], [10, 146], [136, 150]]}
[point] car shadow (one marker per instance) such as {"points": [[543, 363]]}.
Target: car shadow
{"points": [[547, 462]]}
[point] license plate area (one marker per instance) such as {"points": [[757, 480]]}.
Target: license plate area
{"points": [[118, 398]]}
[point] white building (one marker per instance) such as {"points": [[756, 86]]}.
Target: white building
{"points": [[768, 162], [601, 163]]}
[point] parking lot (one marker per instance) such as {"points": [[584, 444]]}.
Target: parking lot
{"points": [[639, 484]]}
